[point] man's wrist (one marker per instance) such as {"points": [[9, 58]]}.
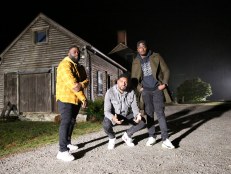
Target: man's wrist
{"points": [[82, 85], [165, 84]]}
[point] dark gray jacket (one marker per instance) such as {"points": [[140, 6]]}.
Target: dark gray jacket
{"points": [[117, 103]]}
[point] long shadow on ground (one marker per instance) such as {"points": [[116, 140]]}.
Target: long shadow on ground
{"points": [[176, 123], [81, 153], [181, 120], [157, 129], [194, 121]]}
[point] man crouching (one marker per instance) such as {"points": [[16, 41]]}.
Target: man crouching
{"points": [[117, 103]]}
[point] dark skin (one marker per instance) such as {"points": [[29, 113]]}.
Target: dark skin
{"points": [[143, 50], [74, 53], [122, 85]]}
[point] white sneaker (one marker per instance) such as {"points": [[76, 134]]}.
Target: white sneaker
{"points": [[127, 140], [151, 141], [111, 144], [167, 144], [65, 156], [72, 147]]}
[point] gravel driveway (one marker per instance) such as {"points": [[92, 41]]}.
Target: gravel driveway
{"points": [[201, 135]]}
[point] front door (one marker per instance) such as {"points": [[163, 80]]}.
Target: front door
{"points": [[10, 88], [35, 92]]}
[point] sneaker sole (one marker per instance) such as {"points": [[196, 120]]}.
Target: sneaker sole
{"points": [[65, 160], [126, 142], [167, 147], [111, 148], [150, 145]]}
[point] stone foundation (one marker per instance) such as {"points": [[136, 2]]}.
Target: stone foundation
{"points": [[46, 117]]}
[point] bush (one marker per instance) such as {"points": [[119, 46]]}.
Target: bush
{"points": [[194, 90], [95, 109]]}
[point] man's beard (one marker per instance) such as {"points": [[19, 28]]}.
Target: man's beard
{"points": [[74, 59], [144, 54], [123, 89]]}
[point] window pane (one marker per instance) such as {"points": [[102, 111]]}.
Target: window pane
{"points": [[109, 82], [100, 83], [40, 37]]}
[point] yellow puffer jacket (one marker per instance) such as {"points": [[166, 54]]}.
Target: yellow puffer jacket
{"points": [[69, 72]]}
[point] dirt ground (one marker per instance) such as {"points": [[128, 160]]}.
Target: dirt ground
{"points": [[201, 135]]}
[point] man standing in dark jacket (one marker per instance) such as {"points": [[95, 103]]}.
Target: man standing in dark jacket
{"points": [[150, 75]]}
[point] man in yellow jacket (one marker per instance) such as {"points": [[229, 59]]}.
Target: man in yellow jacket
{"points": [[71, 82]]}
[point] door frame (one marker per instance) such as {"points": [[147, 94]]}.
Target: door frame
{"points": [[11, 71]]}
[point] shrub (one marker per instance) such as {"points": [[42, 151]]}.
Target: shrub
{"points": [[194, 90], [95, 109]]}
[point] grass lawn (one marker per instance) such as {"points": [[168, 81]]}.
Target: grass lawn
{"points": [[21, 135]]}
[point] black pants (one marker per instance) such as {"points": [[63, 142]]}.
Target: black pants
{"points": [[107, 125], [68, 112], [155, 99]]}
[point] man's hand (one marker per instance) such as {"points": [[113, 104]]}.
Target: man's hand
{"points": [[141, 89], [161, 87], [138, 118], [115, 119], [78, 87], [84, 104]]}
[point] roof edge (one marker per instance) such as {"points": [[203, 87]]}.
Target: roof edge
{"points": [[20, 35], [108, 58], [63, 29], [48, 20], [117, 47]]}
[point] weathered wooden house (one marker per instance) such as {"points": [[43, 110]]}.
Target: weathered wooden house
{"points": [[28, 67]]}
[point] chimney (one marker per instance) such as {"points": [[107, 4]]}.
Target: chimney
{"points": [[122, 37]]}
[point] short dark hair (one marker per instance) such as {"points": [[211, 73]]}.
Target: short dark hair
{"points": [[123, 75], [74, 46]]}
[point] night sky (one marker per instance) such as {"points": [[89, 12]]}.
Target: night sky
{"points": [[193, 37]]}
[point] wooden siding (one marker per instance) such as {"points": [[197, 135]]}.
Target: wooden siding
{"points": [[35, 92], [99, 64], [25, 56], [10, 88]]}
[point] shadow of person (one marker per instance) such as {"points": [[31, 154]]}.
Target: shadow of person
{"points": [[81, 153], [177, 122], [157, 128], [81, 145], [183, 120]]}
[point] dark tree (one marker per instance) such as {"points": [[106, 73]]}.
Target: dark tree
{"points": [[194, 90]]}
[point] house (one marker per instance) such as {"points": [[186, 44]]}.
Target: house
{"points": [[122, 53], [28, 67]]}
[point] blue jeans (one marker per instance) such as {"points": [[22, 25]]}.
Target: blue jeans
{"points": [[68, 112], [155, 99]]}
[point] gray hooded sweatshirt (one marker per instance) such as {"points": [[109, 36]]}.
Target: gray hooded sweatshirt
{"points": [[117, 103]]}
